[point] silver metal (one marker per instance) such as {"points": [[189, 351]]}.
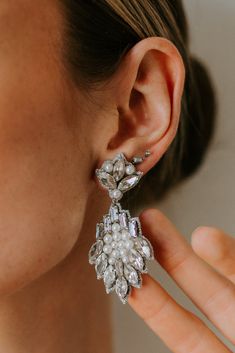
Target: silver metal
{"points": [[121, 251]]}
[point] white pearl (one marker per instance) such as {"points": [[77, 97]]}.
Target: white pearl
{"points": [[129, 244], [121, 244], [107, 249], [108, 238], [114, 244], [130, 169], [125, 259], [111, 260], [123, 252], [115, 254], [116, 194], [125, 235], [117, 236], [115, 227], [108, 166]]}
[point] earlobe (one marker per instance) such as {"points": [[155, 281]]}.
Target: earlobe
{"points": [[148, 90]]}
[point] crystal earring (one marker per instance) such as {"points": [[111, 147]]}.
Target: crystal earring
{"points": [[121, 250]]}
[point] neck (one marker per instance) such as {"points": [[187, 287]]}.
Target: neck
{"points": [[65, 310]]}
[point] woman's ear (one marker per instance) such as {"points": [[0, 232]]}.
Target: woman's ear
{"points": [[148, 88]]}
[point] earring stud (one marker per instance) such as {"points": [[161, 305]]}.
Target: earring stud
{"points": [[121, 251]]}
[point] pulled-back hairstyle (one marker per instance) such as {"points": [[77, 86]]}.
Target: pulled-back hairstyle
{"points": [[100, 32]]}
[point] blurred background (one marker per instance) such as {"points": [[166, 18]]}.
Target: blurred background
{"points": [[209, 197]]}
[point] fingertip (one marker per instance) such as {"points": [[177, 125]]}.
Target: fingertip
{"points": [[208, 243]]}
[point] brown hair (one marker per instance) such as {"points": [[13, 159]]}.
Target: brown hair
{"points": [[98, 35]]}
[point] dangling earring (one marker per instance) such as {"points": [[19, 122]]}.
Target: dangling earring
{"points": [[120, 251]]}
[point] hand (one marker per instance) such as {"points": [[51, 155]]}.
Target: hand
{"points": [[205, 272]]}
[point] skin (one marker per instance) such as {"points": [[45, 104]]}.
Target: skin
{"points": [[205, 270], [53, 135]]}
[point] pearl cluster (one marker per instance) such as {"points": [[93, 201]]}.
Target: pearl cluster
{"points": [[108, 167], [118, 243]]}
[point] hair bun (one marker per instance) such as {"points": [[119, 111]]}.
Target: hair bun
{"points": [[201, 117]]}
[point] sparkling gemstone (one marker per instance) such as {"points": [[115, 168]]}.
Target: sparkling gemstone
{"points": [[130, 169], [137, 261], [106, 180], [129, 182], [108, 238], [119, 169], [95, 251], [123, 218], [101, 265], [134, 227], [109, 278], [115, 227], [107, 249], [122, 289], [119, 268], [144, 247], [99, 230], [132, 276], [107, 223], [114, 213], [107, 166]]}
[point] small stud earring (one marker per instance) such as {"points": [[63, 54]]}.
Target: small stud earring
{"points": [[121, 250]]}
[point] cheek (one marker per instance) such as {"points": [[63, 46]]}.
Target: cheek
{"points": [[42, 188]]}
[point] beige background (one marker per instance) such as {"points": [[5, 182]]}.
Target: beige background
{"points": [[209, 197]]}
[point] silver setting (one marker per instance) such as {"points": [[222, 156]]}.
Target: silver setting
{"points": [[121, 251]]}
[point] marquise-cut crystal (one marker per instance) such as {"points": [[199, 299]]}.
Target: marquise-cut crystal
{"points": [[95, 251], [101, 265], [119, 169], [137, 261], [109, 278], [106, 180], [119, 268], [129, 182], [144, 247], [132, 276], [122, 289]]}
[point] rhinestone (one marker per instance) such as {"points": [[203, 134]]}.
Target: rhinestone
{"points": [[101, 265], [123, 220], [134, 227], [137, 260], [114, 213], [109, 278], [99, 230], [95, 251], [106, 180], [144, 247], [119, 169], [132, 276], [129, 182], [122, 289], [107, 224]]}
